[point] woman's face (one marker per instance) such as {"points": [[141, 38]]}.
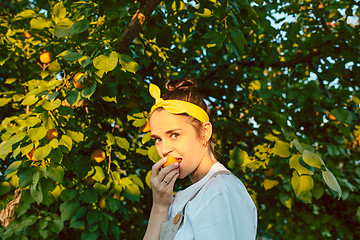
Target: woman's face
{"points": [[175, 136]]}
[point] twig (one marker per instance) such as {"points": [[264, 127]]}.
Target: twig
{"points": [[135, 25]]}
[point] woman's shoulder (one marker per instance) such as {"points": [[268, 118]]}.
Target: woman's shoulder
{"points": [[222, 187]]}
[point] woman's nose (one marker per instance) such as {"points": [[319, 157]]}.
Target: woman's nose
{"points": [[166, 148]]}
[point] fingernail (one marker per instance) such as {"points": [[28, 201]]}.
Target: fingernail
{"points": [[176, 164]]}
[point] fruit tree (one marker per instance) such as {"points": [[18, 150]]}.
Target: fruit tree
{"points": [[280, 78]]}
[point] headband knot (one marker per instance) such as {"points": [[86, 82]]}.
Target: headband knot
{"points": [[176, 106]]}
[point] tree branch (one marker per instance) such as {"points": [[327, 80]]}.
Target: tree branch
{"points": [[291, 63], [135, 25]]}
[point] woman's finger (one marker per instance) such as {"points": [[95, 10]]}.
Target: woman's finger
{"points": [[156, 167], [167, 170]]}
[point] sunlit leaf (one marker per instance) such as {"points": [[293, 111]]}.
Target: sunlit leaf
{"points": [[312, 159], [331, 181], [281, 149]]}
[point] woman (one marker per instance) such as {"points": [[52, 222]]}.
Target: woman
{"points": [[216, 205]]}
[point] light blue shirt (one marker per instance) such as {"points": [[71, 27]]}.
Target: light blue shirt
{"points": [[223, 209]]}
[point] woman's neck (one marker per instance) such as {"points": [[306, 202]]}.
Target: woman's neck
{"points": [[204, 167]]}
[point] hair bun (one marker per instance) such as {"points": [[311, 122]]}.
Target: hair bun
{"points": [[185, 85]]}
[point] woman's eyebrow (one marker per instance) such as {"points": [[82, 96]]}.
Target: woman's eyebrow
{"points": [[167, 132]]}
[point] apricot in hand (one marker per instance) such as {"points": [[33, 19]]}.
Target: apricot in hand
{"points": [[170, 160]]}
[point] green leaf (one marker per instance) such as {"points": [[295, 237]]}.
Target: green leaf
{"points": [[89, 235], [80, 26], [36, 134], [12, 167], [90, 196], [5, 187], [36, 192], [89, 90], [56, 225], [54, 67], [239, 156], [331, 181], [24, 14], [153, 154], [114, 204], [66, 141], [29, 100], [132, 192], [54, 143], [32, 121], [110, 139], [99, 175], [136, 180], [128, 64], [25, 178], [39, 23], [16, 138], [297, 145], [68, 209], [73, 97], [239, 39], [63, 28], [281, 149], [69, 55], [101, 187], [146, 138], [105, 63], [312, 159], [76, 136], [55, 173], [343, 115], [123, 143], [42, 152], [286, 200], [4, 101], [51, 105], [68, 195], [59, 10]]}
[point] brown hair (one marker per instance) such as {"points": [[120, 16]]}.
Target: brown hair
{"points": [[185, 90]]}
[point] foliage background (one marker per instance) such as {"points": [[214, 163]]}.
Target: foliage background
{"points": [[281, 80]]}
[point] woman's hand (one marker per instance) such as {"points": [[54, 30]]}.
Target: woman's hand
{"points": [[163, 183]]}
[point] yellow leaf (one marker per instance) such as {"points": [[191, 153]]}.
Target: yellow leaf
{"points": [[294, 163], [268, 183], [312, 159], [302, 184]]}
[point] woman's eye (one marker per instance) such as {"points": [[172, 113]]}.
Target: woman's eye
{"points": [[157, 140], [174, 135]]}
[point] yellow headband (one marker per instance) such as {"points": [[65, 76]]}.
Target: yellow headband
{"points": [[176, 106]]}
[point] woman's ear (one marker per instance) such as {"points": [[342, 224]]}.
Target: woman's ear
{"points": [[207, 131]]}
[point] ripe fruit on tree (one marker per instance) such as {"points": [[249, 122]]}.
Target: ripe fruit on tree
{"points": [[170, 160], [146, 126], [45, 57], [102, 202], [30, 155], [76, 78], [26, 34], [98, 155], [51, 134], [332, 117]]}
